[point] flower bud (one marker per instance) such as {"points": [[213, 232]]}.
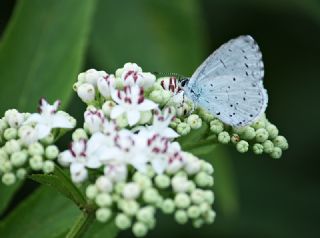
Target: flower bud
{"points": [[257, 149], [197, 223], [209, 196], [12, 146], [21, 173], [261, 135], [210, 216], [181, 217], [122, 221], [168, 206], [8, 179], [91, 191], [145, 117], [197, 196], [5, 166], [36, 149], [10, 133], [193, 164], [162, 181], [272, 130], [224, 137], [193, 212], [48, 140], [14, 118], [216, 126], [27, 134], [130, 207], [183, 128], [103, 214], [36, 162], [151, 195], [139, 229], [281, 142], [157, 96], [104, 85], [107, 107], [104, 184], [182, 200], [242, 146], [268, 146], [180, 184], [194, 121], [276, 153], [86, 92], [18, 158], [249, 133], [145, 214], [79, 134], [51, 152], [202, 179], [131, 191], [48, 167], [103, 200]]}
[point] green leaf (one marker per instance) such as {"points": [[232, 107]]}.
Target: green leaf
{"points": [[45, 213], [41, 53], [163, 36], [195, 136], [6, 194], [61, 183]]}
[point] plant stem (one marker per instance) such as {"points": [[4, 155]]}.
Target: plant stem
{"points": [[81, 225]]}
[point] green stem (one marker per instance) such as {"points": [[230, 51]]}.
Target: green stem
{"points": [[81, 225]]}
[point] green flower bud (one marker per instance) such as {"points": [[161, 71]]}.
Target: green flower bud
{"points": [[18, 158], [49, 139], [3, 125], [122, 121], [202, 179], [242, 146], [103, 214], [48, 167], [145, 117], [224, 137], [257, 149], [207, 167], [168, 206], [36, 162], [193, 212], [5, 166], [272, 130], [261, 135], [51, 152], [206, 116], [276, 153], [10, 133], [139, 229], [183, 128], [182, 200], [197, 223], [145, 214], [151, 195], [162, 181], [194, 121], [259, 124], [157, 96], [281, 142], [12, 146], [119, 187], [122, 221], [91, 191], [210, 216], [209, 196], [8, 179], [79, 134], [204, 207], [181, 217], [249, 133], [35, 149], [107, 107], [150, 171], [130, 207], [268, 146], [103, 200], [143, 181], [21, 173], [197, 196], [3, 154], [216, 126]]}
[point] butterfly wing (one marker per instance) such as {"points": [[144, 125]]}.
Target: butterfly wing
{"points": [[229, 82]]}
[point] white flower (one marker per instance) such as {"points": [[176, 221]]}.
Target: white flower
{"points": [[175, 158], [170, 84], [14, 118], [94, 120], [192, 163], [84, 154], [116, 171], [48, 118], [86, 92], [161, 121], [78, 172], [130, 101], [129, 149], [105, 84], [132, 74], [91, 76]]}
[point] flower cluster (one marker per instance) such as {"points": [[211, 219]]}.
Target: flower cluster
{"points": [[27, 140]]}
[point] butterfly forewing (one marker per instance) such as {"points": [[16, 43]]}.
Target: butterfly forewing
{"points": [[229, 82]]}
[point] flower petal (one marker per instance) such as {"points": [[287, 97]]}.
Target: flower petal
{"points": [[116, 111], [65, 158], [34, 118], [147, 105], [169, 133], [133, 117], [42, 130], [159, 165], [61, 121]]}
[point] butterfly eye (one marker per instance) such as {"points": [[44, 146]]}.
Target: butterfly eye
{"points": [[184, 82]]}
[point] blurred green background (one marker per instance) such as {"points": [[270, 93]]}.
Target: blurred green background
{"points": [[44, 44]]}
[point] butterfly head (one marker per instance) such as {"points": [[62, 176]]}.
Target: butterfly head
{"points": [[183, 83]]}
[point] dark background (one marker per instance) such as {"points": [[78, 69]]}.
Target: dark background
{"points": [[260, 197]]}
